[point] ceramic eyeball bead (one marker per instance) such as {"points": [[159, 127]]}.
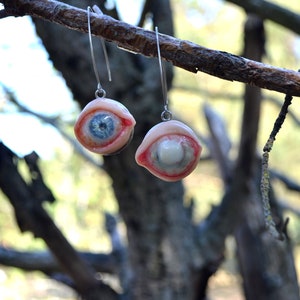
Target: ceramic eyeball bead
{"points": [[170, 151], [104, 126]]}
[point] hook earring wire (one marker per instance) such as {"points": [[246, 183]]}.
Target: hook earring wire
{"points": [[100, 92], [166, 115]]}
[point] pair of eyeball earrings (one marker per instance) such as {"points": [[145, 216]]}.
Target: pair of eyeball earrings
{"points": [[170, 150]]}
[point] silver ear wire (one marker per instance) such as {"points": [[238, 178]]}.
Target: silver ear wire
{"points": [[100, 92], [166, 115]]}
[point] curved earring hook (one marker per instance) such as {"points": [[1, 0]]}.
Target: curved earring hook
{"points": [[166, 115], [100, 92]]}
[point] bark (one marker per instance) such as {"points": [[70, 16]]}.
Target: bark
{"points": [[183, 54]]}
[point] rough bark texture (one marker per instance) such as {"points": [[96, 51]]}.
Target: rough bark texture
{"points": [[184, 54]]}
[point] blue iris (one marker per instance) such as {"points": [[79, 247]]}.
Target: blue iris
{"points": [[102, 126]]}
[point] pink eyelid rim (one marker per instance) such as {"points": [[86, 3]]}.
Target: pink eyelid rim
{"points": [[164, 128], [114, 107]]}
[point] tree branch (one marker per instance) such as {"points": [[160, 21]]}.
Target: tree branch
{"points": [[45, 262], [232, 96], [115, 263], [32, 217], [288, 207], [183, 54], [220, 143], [37, 186], [289, 183], [3, 13], [271, 11]]}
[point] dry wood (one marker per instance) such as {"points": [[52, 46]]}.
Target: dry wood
{"points": [[181, 53]]}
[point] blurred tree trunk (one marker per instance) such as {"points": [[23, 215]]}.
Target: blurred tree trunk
{"points": [[160, 239], [266, 264], [166, 259]]}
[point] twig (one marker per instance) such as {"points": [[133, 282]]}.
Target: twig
{"points": [[45, 262], [119, 251], [206, 93], [265, 178], [288, 182], [286, 206], [3, 13], [279, 104], [184, 54], [220, 142], [144, 13], [39, 189]]}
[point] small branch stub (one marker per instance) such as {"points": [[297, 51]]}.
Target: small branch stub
{"points": [[265, 178]]}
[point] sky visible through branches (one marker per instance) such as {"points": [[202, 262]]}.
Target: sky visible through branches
{"points": [[26, 71]]}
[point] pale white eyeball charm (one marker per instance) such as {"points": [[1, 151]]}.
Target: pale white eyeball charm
{"points": [[170, 151], [104, 126]]}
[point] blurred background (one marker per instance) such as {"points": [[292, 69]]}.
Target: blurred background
{"points": [[27, 72]]}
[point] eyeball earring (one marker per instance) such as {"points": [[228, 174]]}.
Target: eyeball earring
{"points": [[170, 150], [104, 126]]}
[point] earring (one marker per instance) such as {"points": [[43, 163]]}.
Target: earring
{"points": [[104, 126], [170, 150]]}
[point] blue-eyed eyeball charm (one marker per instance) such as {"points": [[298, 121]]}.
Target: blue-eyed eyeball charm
{"points": [[104, 126], [170, 151]]}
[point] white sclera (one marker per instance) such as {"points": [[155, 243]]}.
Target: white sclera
{"points": [[170, 152]]}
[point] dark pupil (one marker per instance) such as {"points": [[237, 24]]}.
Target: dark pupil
{"points": [[102, 126]]}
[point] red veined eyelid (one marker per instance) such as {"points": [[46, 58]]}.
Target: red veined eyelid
{"points": [[170, 151], [104, 126]]}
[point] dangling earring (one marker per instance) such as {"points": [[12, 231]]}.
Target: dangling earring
{"points": [[104, 126], [170, 150]]}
